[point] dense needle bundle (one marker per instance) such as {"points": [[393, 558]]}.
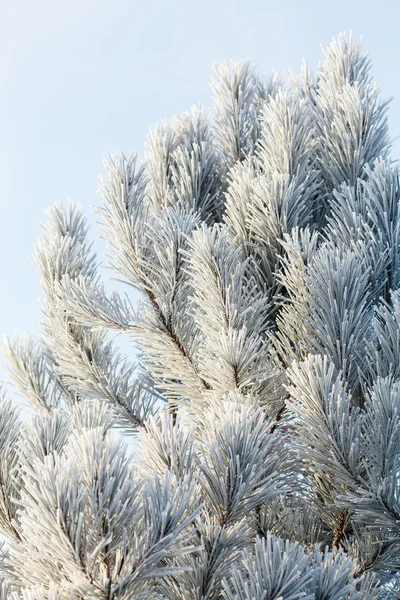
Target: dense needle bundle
{"points": [[264, 240]]}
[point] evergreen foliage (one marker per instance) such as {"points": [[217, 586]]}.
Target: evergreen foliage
{"points": [[264, 239]]}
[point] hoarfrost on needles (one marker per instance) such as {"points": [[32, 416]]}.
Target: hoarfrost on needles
{"points": [[263, 236]]}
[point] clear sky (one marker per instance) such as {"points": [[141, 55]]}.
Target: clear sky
{"points": [[82, 77]]}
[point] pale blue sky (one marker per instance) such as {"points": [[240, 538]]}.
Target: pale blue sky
{"points": [[80, 78]]}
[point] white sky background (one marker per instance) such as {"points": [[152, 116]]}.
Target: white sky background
{"points": [[82, 77]]}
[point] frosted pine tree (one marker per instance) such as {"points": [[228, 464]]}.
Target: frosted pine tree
{"points": [[263, 237]]}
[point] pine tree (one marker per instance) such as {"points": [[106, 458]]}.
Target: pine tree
{"points": [[264, 239]]}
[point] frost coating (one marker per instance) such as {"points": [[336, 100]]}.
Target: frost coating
{"points": [[263, 237]]}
